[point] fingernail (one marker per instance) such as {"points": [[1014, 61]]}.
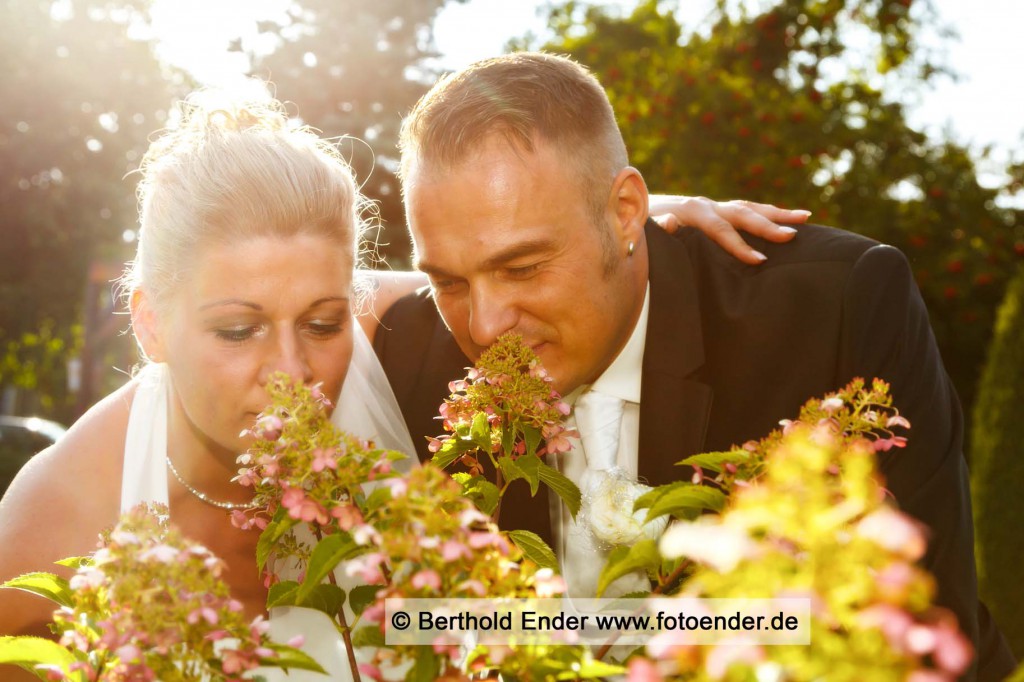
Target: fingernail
{"points": [[786, 229], [759, 256], [802, 212]]}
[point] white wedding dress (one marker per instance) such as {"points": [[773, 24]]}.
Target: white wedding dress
{"points": [[366, 408]]}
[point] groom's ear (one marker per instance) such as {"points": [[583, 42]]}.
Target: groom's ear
{"points": [[628, 205], [145, 326]]}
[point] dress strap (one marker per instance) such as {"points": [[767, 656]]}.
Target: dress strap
{"points": [[145, 444]]}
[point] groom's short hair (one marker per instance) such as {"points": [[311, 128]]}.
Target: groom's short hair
{"points": [[522, 97]]}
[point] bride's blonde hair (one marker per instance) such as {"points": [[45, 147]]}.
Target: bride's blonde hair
{"points": [[234, 169]]}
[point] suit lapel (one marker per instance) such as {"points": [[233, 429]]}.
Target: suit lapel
{"points": [[674, 406]]}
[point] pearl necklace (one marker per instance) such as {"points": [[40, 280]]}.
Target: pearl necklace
{"points": [[230, 506]]}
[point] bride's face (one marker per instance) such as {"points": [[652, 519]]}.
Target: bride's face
{"points": [[246, 310]]}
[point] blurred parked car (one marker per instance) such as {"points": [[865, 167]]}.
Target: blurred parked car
{"points": [[20, 439]]}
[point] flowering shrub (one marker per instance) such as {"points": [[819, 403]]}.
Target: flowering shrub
{"points": [[506, 414], [853, 415], [800, 513], [146, 605], [326, 497], [434, 542], [807, 517]]}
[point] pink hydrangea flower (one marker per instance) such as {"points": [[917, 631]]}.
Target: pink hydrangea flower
{"points": [[323, 458], [426, 579], [642, 670], [894, 531]]}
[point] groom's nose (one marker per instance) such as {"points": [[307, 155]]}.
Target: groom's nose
{"points": [[492, 312]]}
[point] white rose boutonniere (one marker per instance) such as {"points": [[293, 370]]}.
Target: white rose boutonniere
{"points": [[607, 510]]}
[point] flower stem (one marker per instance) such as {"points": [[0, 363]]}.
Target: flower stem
{"points": [[346, 631], [496, 514]]}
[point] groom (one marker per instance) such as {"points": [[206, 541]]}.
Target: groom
{"points": [[526, 216]]}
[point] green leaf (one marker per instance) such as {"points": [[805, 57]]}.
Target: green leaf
{"points": [[508, 439], [530, 465], [75, 562], [369, 635], [362, 596], [592, 669], [480, 431], [290, 658], [623, 560], [509, 469], [687, 502], [275, 530], [563, 487], [654, 494], [327, 554], [427, 666], [324, 597], [53, 587], [716, 461], [27, 652], [484, 494], [624, 603], [451, 451], [532, 436], [534, 548], [282, 594], [377, 499]]}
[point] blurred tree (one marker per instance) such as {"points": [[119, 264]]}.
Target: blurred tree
{"points": [[80, 96], [997, 476], [355, 68], [778, 105]]}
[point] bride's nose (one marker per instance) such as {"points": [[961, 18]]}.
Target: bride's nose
{"points": [[288, 355]]}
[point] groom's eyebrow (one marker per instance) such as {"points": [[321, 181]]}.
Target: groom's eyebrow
{"points": [[494, 261], [515, 252]]}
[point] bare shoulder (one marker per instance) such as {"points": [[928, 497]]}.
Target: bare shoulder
{"points": [[59, 502]]}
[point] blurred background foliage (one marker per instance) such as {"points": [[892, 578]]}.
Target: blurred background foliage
{"points": [[795, 102], [800, 105], [353, 69], [997, 474], [79, 99]]}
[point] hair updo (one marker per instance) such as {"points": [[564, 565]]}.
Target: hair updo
{"points": [[231, 170]]}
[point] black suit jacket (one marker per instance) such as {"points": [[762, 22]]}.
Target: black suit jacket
{"points": [[732, 349]]}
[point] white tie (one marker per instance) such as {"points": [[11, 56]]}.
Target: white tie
{"points": [[599, 419]]}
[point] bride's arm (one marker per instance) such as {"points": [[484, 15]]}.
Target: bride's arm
{"points": [[55, 508], [719, 220], [722, 221]]}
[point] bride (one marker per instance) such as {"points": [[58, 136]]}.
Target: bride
{"points": [[248, 241]]}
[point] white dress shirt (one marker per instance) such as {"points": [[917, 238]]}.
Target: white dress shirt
{"points": [[580, 559]]}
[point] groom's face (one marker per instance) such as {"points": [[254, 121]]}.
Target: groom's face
{"points": [[509, 242]]}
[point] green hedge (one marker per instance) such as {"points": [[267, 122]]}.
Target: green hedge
{"points": [[997, 478]]}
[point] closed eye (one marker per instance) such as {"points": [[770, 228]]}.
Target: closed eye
{"points": [[522, 272], [444, 284], [238, 334], [323, 329]]}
